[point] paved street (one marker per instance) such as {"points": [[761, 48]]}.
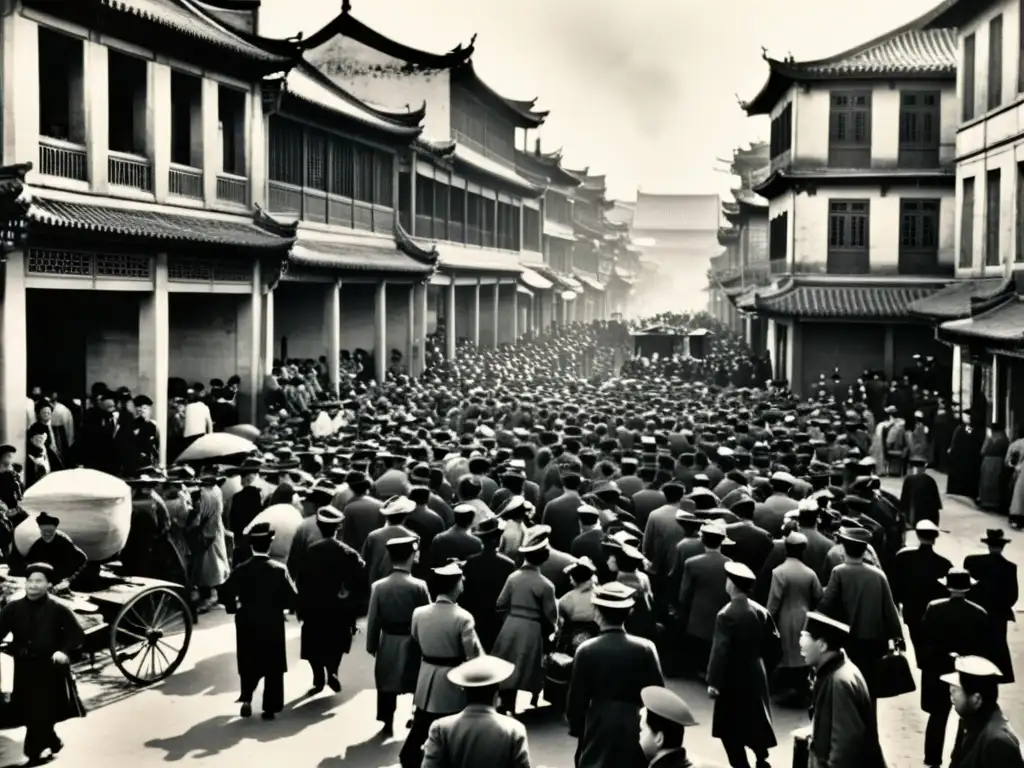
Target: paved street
{"points": [[193, 715]]}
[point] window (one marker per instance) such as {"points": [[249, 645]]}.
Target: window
{"points": [[1019, 255], [476, 126], [424, 207], [919, 129], [127, 86], [285, 144], [441, 195], [231, 123], [316, 160], [919, 239], [457, 214], [782, 132], [848, 237], [849, 141], [61, 96], [967, 224], [968, 92], [778, 238], [488, 222], [995, 62], [557, 208], [1020, 52], [531, 229], [992, 182], [474, 219], [186, 120], [405, 199]]}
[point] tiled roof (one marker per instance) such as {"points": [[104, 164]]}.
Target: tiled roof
{"points": [[914, 51], [368, 257], [181, 17], [534, 279], [316, 89], [468, 258], [846, 300], [677, 213], [621, 212], [749, 197], [1002, 325], [590, 282], [954, 301], [469, 157], [151, 225]]}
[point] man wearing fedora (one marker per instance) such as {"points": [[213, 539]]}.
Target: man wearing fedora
{"points": [[997, 593], [258, 593], [949, 627], [478, 736]]}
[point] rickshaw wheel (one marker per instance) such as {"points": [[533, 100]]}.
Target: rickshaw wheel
{"points": [[150, 635]]}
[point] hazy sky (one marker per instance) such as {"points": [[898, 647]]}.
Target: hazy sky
{"points": [[641, 90]]}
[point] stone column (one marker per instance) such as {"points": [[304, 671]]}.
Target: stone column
{"points": [[333, 316], [267, 336], [154, 349], [97, 124], [209, 96], [452, 333], [249, 337], [421, 324], [515, 313], [476, 313], [411, 344], [380, 331], [496, 314], [158, 128], [14, 360], [21, 102]]}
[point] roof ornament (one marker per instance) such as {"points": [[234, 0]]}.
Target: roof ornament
{"points": [[346, 7], [764, 53]]}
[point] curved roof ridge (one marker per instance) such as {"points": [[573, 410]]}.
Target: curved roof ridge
{"points": [[521, 110], [412, 118]]}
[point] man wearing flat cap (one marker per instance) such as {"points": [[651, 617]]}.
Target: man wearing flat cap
{"points": [[44, 634], [702, 595], [393, 600], [608, 674], [985, 738], [745, 649], [950, 627], [332, 582], [478, 736], [375, 551], [56, 548], [258, 593], [843, 732]]}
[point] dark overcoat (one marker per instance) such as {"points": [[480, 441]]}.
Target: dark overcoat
{"points": [[843, 729], [746, 647], [484, 576], [331, 585], [914, 580], [920, 498], [44, 693], [986, 739], [997, 593], [949, 626], [258, 592]]}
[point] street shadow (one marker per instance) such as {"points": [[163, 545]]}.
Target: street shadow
{"points": [[377, 750], [222, 733], [11, 750], [212, 675]]}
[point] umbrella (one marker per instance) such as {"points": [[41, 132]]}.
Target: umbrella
{"points": [[284, 519], [216, 446], [246, 431]]}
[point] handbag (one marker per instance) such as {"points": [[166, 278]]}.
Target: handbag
{"points": [[893, 676]]}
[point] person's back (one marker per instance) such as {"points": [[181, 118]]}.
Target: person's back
{"points": [[477, 737], [362, 517]]}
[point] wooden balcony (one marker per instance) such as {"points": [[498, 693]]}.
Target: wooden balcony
{"points": [[129, 170], [64, 159], [185, 181], [233, 189]]}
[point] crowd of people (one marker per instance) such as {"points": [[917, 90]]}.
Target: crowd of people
{"points": [[561, 518]]}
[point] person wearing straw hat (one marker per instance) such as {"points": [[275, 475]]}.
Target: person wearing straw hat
{"points": [[393, 600], [332, 579], [258, 593], [531, 612], [745, 649], [44, 634], [663, 725], [985, 738], [950, 627], [478, 736], [997, 593], [843, 732], [608, 674], [446, 637], [486, 573], [702, 595]]}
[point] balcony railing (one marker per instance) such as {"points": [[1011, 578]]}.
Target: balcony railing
{"points": [[232, 189], [185, 181], [128, 170], [63, 158]]}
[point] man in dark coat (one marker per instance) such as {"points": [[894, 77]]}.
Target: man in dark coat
{"points": [[950, 627], [588, 542], [257, 593], [746, 647], [457, 543], [702, 595], [44, 635], [920, 498], [609, 672], [751, 544], [985, 738], [425, 523], [331, 583], [560, 513], [246, 504], [56, 549], [843, 729], [997, 593], [771, 514], [362, 512], [661, 535], [916, 578], [485, 574]]}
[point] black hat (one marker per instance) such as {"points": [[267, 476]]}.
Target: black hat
{"points": [[822, 627], [958, 580], [260, 532], [995, 537], [141, 400], [918, 461], [6, 449], [492, 526], [44, 568], [401, 547], [47, 519], [743, 507], [667, 705]]}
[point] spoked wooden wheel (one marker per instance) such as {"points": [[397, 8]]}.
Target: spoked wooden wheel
{"points": [[150, 636]]}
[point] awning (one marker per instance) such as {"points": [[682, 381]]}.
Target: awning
{"points": [[841, 299], [567, 295], [572, 283], [559, 230], [535, 280], [590, 282], [382, 256], [472, 259], [1001, 327], [954, 301], [524, 291], [147, 224]]}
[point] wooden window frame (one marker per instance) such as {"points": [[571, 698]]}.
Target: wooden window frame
{"points": [[849, 129], [968, 201], [920, 121], [782, 132], [849, 221], [970, 75], [919, 235], [995, 62], [993, 204], [1018, 257]]}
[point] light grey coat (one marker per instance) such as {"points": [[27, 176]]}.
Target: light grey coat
{"points": [[795, 590], [442, 630]]}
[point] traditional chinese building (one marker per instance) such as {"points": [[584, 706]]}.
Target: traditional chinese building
{"points": [[678, 236], [139, 250], [627, 263], [594, 248], [981, 314], [459, 191], [861, 203]]}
